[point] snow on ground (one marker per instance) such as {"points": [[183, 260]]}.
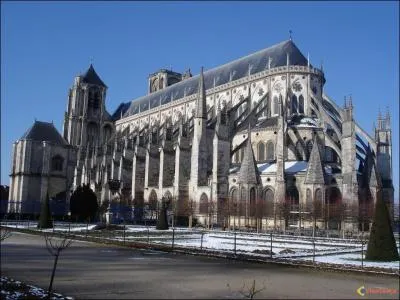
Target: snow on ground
{"points": [[353, 259], [329, 250], [13, 289]]}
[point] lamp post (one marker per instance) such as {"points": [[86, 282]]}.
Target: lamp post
{"points": [[69, 221]]}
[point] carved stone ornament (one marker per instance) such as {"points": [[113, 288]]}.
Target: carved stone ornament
{"points": [[278, 87], [296, 86]]}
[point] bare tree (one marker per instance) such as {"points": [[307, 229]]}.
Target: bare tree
{"points": [[188, 209], [249, 292], [211, 211], [55, 245]]}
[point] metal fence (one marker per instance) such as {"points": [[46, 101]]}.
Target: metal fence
{"points": [[267, 245]]}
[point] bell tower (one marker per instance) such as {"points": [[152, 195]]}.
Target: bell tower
{"points": [[85, 110]]}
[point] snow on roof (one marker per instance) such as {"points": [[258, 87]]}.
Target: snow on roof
{"points": [[290, 167]]}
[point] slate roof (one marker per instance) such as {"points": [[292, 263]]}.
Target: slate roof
{"points": [[44, 131], [239, 68], [122, 108], [91, 77], [315, 171], [248, 173]]}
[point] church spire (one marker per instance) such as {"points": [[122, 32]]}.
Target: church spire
{"points": [[201, 108], [315, 171], [91, 77], [248, 173]]}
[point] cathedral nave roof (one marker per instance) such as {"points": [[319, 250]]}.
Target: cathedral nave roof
{"points": [[275, 55]]}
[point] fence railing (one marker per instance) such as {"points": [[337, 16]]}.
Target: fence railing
{"points": [[277, 246]]}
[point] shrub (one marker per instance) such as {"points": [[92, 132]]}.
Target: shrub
{"points": [[83, 203], [381, 244]]}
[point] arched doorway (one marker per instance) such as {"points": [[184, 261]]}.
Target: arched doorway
{"points": [[291, 211], [203, 205], [170, 206], [152, 208], [268, 210], [334, 209], [233, 207]]}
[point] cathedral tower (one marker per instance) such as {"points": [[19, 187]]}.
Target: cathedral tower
{"points": [[86, 110]]}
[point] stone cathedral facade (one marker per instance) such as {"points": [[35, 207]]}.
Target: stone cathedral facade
{"points": [[252, 143]]}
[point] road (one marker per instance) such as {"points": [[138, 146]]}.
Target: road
{"points": [[88, 270]]}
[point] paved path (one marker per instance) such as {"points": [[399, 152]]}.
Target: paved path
{"points": [[88, 270]]}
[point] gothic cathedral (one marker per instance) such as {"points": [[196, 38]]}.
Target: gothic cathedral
{"points": [[253, 143]]}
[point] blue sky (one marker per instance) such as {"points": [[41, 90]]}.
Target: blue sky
{"points": [[45, 44]]}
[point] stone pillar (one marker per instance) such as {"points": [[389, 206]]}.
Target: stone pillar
{"points": [[138, 173]]}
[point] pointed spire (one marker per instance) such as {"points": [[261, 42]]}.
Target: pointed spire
{"points": [[380, 119], [91, 77], [374, 177], [387, 117], [287, 59], [201, 109], [315, 171], [350, 101], [248, 173], [308, 60]]}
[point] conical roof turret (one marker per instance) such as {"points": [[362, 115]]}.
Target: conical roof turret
{"points": [[248, 173], [315, 171]]}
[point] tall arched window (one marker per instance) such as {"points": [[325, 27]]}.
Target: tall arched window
{"points": [[242, 202], [203, 209], [57, 163], [261, 151], [294, 104], [269, 203], [92, 135], [275, 109], [153, 200], [309, 205], [318, 203], [301, 104], [252, 202], [270, 151], [292, 195], [299, 151], [328, 154], [106, 133], [234, 202]]}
